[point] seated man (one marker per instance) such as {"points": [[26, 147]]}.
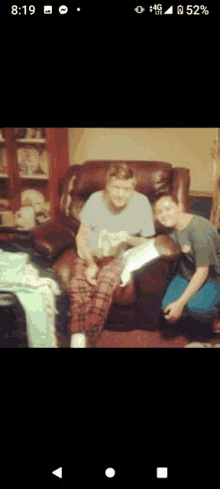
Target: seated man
{"points": [[195, 290], [108, 219]]}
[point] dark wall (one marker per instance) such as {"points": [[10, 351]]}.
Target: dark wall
{"points": [[200, 206]]}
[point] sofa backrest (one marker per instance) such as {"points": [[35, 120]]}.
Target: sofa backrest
{"points": [[81, 181]]}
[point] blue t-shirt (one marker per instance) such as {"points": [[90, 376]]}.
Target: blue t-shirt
{"points": [[136, 218]]}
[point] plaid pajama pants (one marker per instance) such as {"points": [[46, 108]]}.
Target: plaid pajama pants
{"points": [[89, 304]]}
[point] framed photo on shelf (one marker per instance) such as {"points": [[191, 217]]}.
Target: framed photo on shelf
{"points": [[31, 163]]}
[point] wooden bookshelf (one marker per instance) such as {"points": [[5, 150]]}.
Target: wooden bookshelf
{"points": [[55, 142]]}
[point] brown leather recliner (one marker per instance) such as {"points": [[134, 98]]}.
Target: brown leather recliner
{"points": [[80, 181]]}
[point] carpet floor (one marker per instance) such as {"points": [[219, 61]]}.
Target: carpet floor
{"points": [[164, 337]]}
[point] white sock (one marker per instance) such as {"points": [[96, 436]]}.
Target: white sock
{"points": [[78, 340]]}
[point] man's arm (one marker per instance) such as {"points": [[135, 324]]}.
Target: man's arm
{"points": [[82, 245], [195, 283], [135, 241]]}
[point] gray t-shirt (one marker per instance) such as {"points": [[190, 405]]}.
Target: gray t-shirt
{"points": [[200, 245], [108, 229]]}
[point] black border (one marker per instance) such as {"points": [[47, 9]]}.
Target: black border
{"points": [[63, 404]]}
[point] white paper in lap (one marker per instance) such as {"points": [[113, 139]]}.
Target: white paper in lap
{"points": [[137, 257], [37, 296]]}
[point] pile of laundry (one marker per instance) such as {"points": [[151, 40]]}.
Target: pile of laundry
{"points": [[36, 294]]}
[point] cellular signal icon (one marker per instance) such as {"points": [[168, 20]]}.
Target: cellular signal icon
{"points": [[169, 11]]}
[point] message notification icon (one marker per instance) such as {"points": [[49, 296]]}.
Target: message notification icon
{"points": [[63, 9]]}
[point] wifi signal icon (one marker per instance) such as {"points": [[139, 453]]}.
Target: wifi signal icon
{"points": [[63, 9]]}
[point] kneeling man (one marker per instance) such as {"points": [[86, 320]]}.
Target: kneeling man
{"points": [[195, 290]]}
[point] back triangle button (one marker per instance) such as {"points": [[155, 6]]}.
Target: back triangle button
{"points": [[58, 472]]}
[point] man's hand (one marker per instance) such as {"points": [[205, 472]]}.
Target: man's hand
{"points": [[135, 241], [140, 241], [174, 311], [91, 272]]}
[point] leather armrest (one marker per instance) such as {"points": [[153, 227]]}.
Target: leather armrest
{"points": [[54, 239], [64, 267], [43, 245], [168, 248]]}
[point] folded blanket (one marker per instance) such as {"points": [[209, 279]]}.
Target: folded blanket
{"points": [[36, 294], [135, 258], [12, 266]]}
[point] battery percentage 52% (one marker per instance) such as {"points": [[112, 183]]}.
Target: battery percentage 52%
{"points": [[189, 10]]}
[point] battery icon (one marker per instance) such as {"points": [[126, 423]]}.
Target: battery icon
{"points": [[180, 9]]}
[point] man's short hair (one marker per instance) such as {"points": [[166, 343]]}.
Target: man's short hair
{"points": [[165, 194], [122, 171]]}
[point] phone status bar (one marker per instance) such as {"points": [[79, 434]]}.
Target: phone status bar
{"points": [[67, 10]]}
